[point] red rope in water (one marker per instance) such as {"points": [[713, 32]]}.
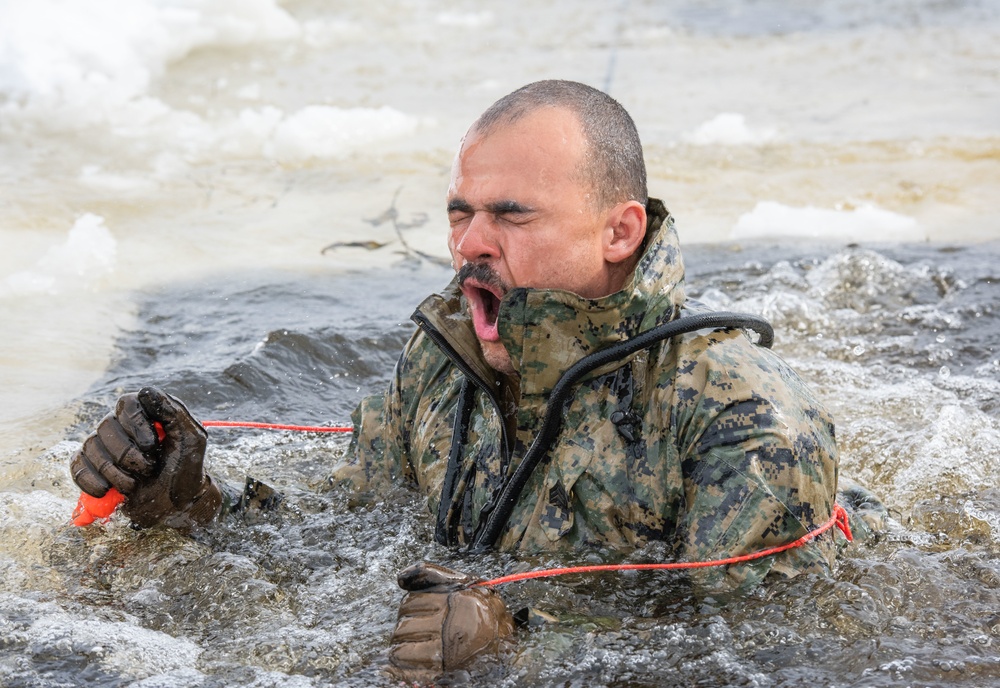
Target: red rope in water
{"points": [[90, 509], [839, 519], [274, 426]]}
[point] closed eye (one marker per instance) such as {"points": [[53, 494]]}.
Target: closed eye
{"points": [[509, 207], [511, 211]]}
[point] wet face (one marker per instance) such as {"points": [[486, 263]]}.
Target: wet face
{"points": [[522, 215]]}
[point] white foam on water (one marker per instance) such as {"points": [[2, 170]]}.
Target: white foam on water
{"points": [[178, 678], [955, 450], [728, 129], [322, 131], [920, 440], [123, 649], [81, 261], [187, 677], [73, 64], [21, 511], [866, 222], [313, 132], [119, 648]]}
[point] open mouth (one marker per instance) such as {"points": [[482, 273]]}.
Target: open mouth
{"points": [[484, 306], [491, 305]]}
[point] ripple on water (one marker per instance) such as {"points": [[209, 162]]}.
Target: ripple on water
{"points": [[308, 596]]}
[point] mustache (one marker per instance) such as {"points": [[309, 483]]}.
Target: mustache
{"points": [[482, 273]]}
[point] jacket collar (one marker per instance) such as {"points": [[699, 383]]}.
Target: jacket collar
{"points": [[548, 330]]}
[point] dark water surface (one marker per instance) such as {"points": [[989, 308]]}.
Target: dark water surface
{"points": [[901, 342]]}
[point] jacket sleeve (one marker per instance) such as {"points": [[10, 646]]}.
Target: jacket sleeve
{"points": [[378, 453], [759, 461], [396, 432]]}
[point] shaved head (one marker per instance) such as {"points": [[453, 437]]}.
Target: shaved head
{"points": [[613, 165]]}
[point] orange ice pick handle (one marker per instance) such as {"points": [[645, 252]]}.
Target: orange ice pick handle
{"points": [[89, 509]]}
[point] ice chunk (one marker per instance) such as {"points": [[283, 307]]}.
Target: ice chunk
{"points": [[864, 223], [728, 129], [87, 255]]}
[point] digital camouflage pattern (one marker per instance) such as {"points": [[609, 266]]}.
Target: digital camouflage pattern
{"points": [[705, 441]]}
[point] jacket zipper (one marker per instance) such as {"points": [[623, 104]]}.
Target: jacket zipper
{"points": [[424, 324]]}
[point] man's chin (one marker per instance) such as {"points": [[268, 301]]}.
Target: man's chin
{"points": [[497, 357]]}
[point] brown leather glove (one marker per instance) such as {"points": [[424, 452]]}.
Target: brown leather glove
{"points": [[163, 480], [443, 624]]}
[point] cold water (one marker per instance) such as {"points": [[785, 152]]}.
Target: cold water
{"points": [[242, 202]]}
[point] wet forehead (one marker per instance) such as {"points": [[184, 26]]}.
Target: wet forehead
{"points": [[510, 164]]}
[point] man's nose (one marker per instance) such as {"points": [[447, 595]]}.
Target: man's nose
{"points": [[478, 240]]}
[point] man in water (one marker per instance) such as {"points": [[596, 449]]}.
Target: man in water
{"points": [[703, 440]]}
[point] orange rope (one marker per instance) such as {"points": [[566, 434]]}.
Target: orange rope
{"points": [[90, 509], [839, 519], [86, 513], [274, 426]]}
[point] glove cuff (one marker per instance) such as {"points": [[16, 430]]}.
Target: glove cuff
{"points": [[203, 509], [207, 504]]}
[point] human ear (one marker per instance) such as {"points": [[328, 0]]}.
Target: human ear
{"points": [[624, 231]]}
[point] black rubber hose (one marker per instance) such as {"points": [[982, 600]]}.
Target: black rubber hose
{"points": [[551, 424], [443, 530]]}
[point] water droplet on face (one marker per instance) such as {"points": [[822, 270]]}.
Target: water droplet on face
{"points": [[944, 371], [940, 339], [858, 350]]}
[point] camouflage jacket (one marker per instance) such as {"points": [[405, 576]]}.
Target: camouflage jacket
{"points": [[705, 441]]}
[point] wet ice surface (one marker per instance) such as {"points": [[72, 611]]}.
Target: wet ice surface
{"points": [[308, 596]]}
